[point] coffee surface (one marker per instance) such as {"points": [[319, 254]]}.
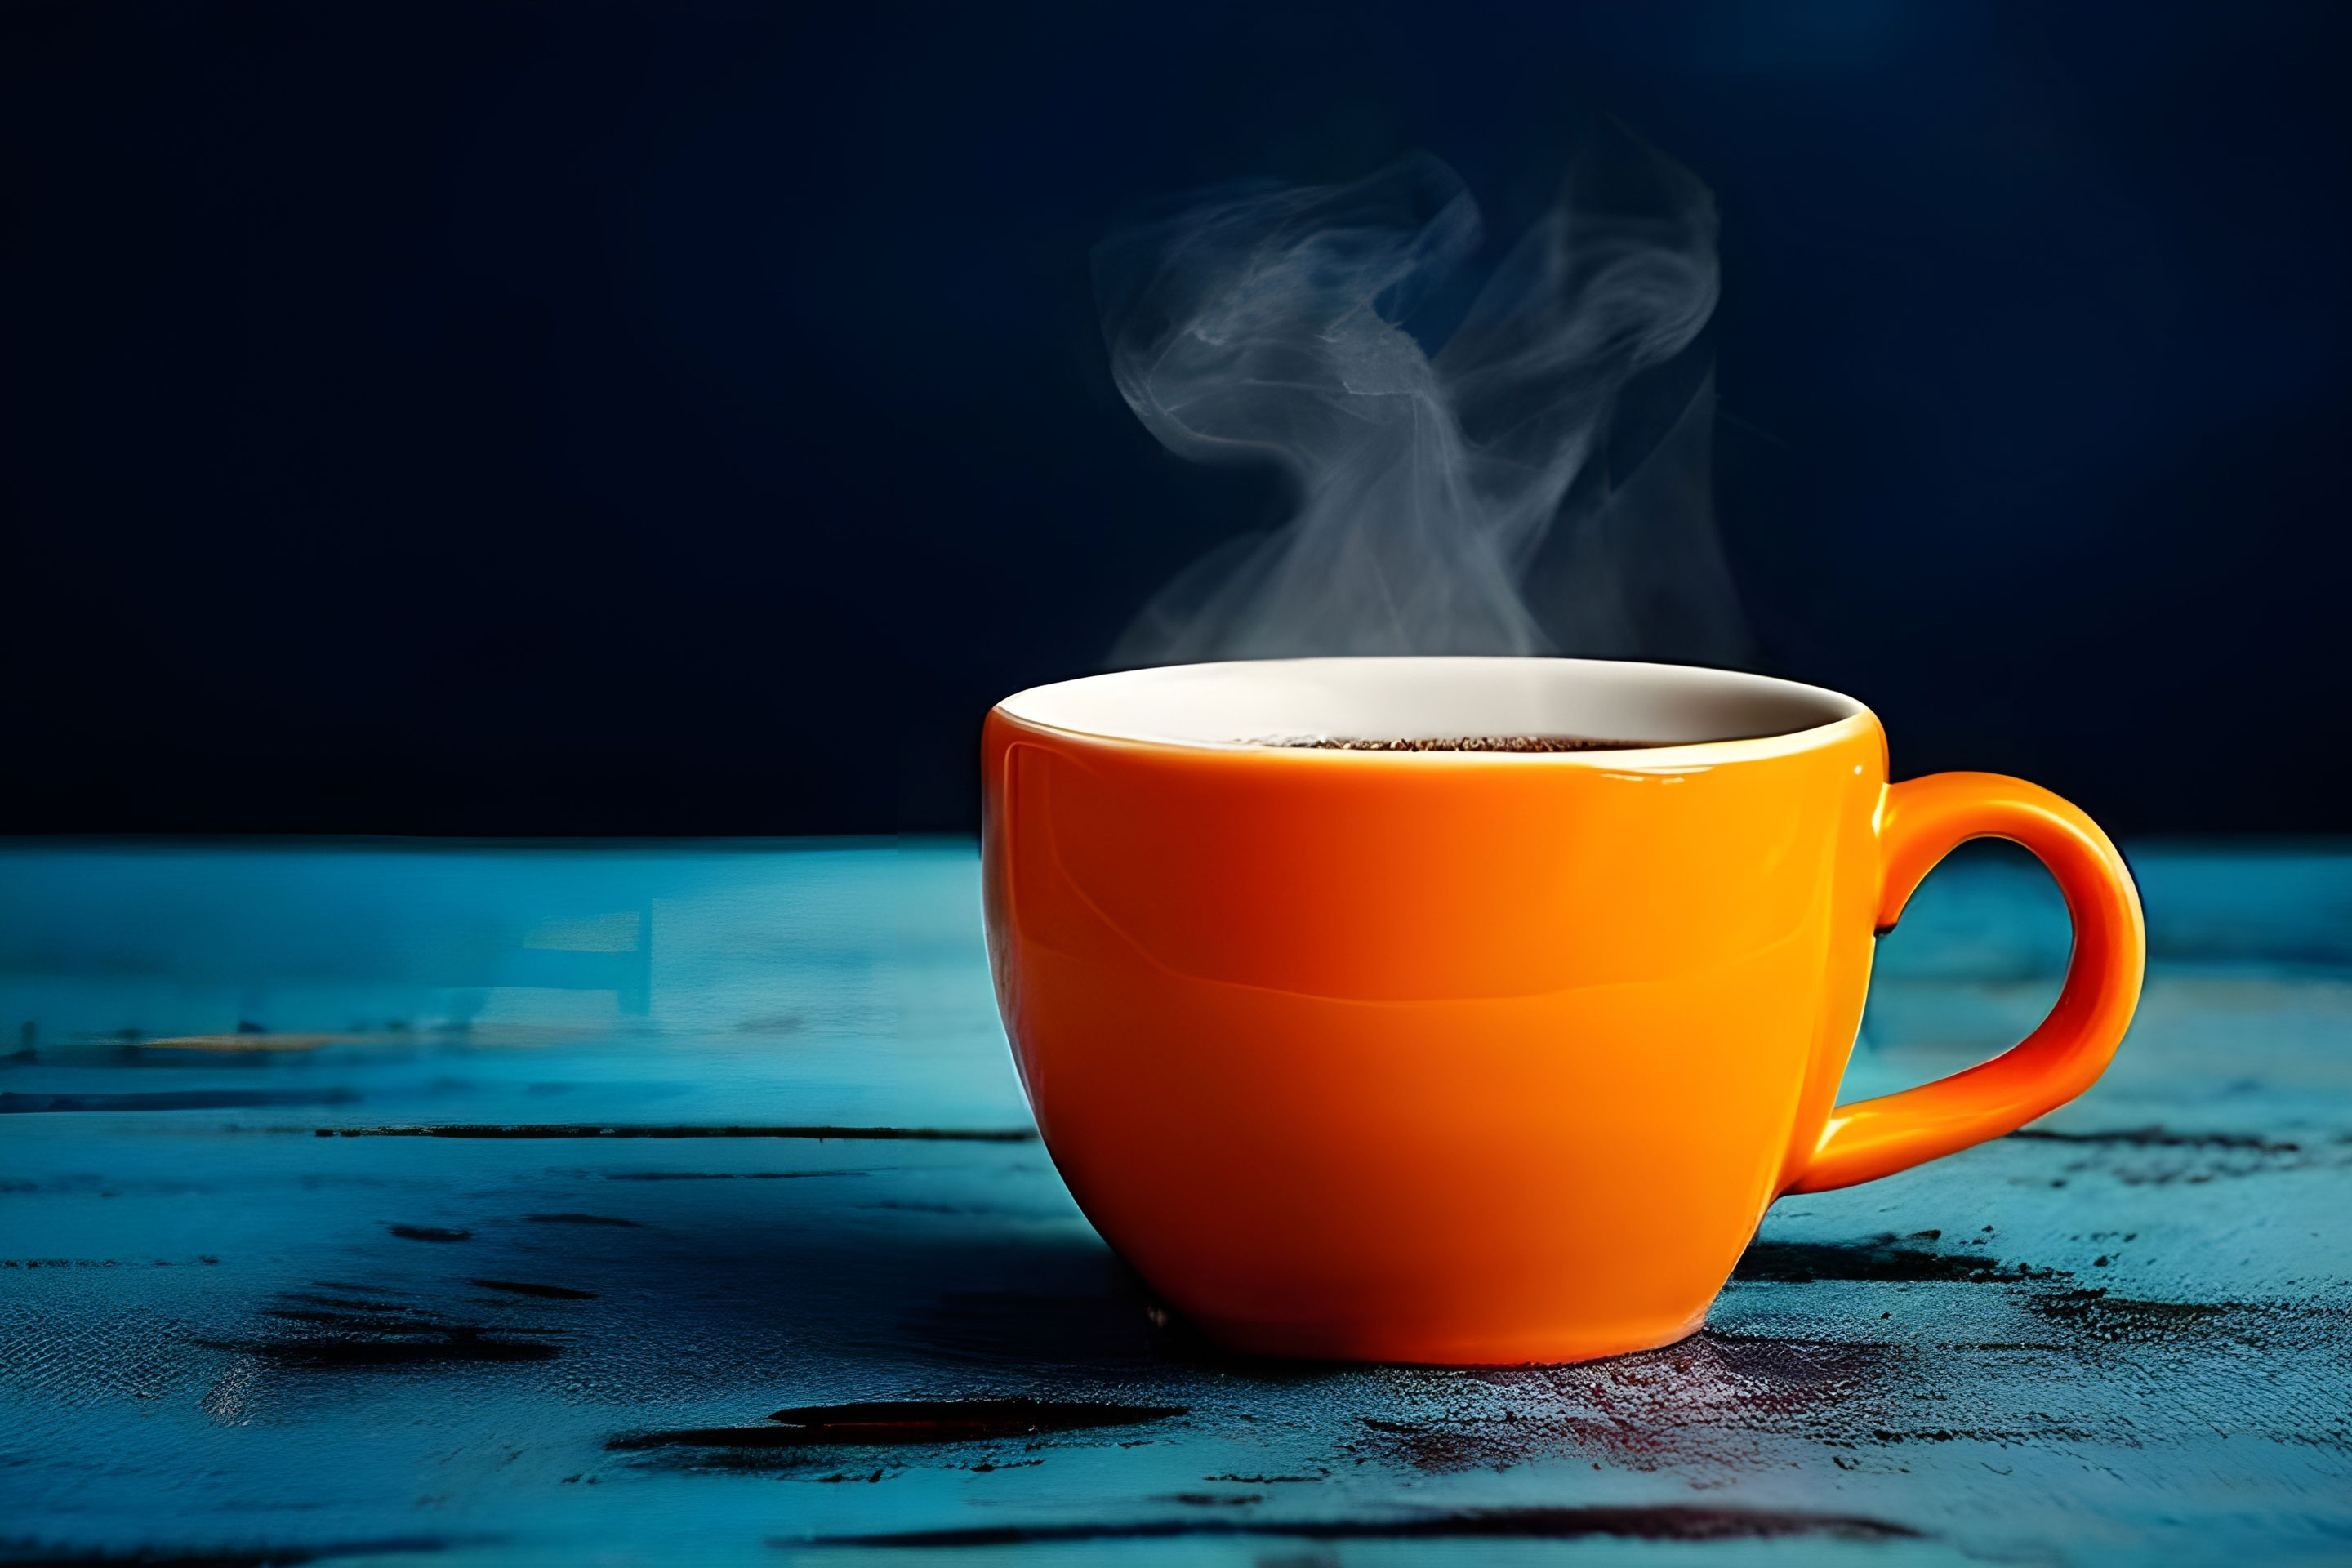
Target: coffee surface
{"points": [[1469, 743]]}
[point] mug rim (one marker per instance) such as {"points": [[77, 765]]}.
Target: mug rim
{"points": [[1843, 717]]}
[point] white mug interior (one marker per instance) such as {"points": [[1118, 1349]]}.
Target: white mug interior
{"points": [[1297, 702]]}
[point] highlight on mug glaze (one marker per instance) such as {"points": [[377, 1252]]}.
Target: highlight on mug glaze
{"points": [[1469, 1010]]}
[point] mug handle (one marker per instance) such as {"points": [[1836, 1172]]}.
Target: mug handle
{"points": [[1921, 822]]}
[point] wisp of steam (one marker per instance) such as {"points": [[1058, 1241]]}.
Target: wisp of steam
{"points": [[1540, 484]]}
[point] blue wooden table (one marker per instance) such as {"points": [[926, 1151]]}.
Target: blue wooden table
{"points": [[652, 1204]]}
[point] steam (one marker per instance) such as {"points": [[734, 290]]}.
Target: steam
{"points": [[1537, 485]]}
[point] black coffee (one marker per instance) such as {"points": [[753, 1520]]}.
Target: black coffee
{"points": [[1473, 743]]}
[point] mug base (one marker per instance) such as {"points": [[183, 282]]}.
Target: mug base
{"points": [[1356, 1342]]}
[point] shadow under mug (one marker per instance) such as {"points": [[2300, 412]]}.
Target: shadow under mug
{"points": [[1472, 1057]]}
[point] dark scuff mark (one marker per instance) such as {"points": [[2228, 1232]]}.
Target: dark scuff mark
{"points": [[893, 1423], [588, 1129], [723, 1175], [548, 1292], [1897, 1260], [17, 1104], [2158, 1138], [398, 1330], [348, 1302], [348, 1328], [581, 1219], [40, 1554], [1669, 1522], [2156, 1157], [428, 1233], [2026, 1439], [452, 1344], [2119, 1320]]}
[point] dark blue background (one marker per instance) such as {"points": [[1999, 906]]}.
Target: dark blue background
{"points": [[570, 420]]}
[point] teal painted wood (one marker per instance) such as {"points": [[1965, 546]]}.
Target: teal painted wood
{"points": [[2123, 1337]]}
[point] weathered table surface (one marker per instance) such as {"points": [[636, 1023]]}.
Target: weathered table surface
{"points": [[231, 1331]]}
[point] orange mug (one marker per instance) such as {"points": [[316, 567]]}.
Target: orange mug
{"points": [[1465, 1057]]}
